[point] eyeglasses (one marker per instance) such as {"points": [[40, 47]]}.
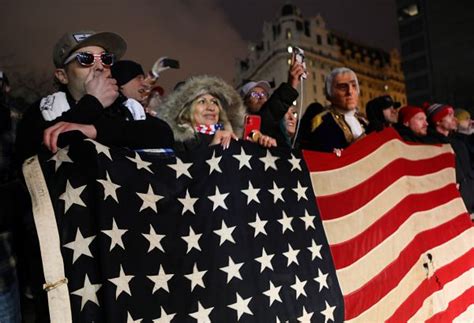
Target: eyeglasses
{"points": [[258, 95], [88, 59]]}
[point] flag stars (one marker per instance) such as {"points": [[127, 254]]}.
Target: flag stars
{"points": [[72, 196], [61, 157], [202, 314], [322, 279], [273, 293], [218, 200], [101, 149], [259, 226], [149, 199], [122, 283], [154, 239], [188, 203], [182, 169], [291, 254], [300, 191], [115, 235], [140, 163], [328, 312], [241, 306], [244, 159], [315, 250], [232, 270], [80, 246], [285, 222], [196, 277], [265, 261], [192, 240], [214, 163], [165, 317], [277, 193], [306, 317], [269, 161], [308, 220], [225, 233], [251, 193], [88, 292], [295, 163], [160, 280], [110, 188], [298, 286]]}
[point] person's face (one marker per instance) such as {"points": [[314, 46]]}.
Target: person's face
{"points": [[206, 110], [255, 99], [448, 122], [344, 92], [74, 75], [390, 115], [290, 122], [418, 124], [135, 88]]}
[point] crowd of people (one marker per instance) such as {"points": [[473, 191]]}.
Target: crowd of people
{"points": [[112, 101]]}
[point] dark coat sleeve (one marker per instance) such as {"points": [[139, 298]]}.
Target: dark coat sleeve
{"points": [[275, 108], [149, 133]]}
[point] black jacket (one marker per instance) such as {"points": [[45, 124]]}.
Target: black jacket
{"points": [[325, 129], [115, 126], [274, 110]]}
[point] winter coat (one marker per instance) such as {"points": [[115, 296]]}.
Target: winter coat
{"points": [[179, 102]]}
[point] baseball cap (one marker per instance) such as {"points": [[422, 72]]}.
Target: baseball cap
{"points": [[250, 85], [72, 41], [382, 102]]}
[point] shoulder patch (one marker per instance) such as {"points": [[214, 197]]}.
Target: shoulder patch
{"points": [[317, 120]]}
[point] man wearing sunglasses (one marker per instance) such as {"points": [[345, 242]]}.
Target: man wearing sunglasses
{"points": [[87, 100]]}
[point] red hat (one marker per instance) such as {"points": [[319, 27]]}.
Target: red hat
{"points": [[437, 111], [407, 112]]}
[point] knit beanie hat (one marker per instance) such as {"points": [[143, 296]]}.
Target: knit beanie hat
{"points": [[462, 114], [408, 112], [124, 71], [437, 111]]}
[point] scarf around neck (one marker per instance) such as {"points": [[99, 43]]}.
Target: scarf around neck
{"points": [[209, 129]]}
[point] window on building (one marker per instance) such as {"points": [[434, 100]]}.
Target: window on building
{"points": [[299, 25], [415, 65], [413, 46], [288, 34], [315, 89], [313, 75], [307, 29], [329, 39], [318, 39], [411, 28], [323, 77], [408, 11]]}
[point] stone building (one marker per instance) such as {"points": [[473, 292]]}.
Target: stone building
{"points": [[379, 72]]}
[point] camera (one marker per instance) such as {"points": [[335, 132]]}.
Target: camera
{"points": [[299, 57]]}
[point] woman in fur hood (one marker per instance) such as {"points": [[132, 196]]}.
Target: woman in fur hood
{"points": [[205, 110]]}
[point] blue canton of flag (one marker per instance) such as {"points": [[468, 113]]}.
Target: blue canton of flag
{"points": [[214, 236]]}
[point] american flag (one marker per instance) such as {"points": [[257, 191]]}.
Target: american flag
{"points": [[400, 236], [214, 236]]}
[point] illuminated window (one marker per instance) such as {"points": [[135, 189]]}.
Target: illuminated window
{"points": [[288, 34]]}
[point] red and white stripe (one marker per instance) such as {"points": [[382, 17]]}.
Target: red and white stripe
{"points": [[400, 236]]}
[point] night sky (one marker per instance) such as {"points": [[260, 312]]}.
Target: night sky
{"points": [[206, 36]]}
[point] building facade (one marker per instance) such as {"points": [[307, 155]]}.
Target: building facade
{"points": [[437, 46], [379, 72]]}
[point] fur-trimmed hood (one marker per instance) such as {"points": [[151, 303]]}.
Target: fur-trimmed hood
{"points": [[179, 100]]}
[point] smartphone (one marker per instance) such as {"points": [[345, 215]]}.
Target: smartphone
{"points": [[299, 57], [251, 122]]}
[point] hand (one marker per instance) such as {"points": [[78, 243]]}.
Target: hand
{"points": [[267, 141], [51, 134], [99, 84], [338, 151], [223, 137], [295, 72]]}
